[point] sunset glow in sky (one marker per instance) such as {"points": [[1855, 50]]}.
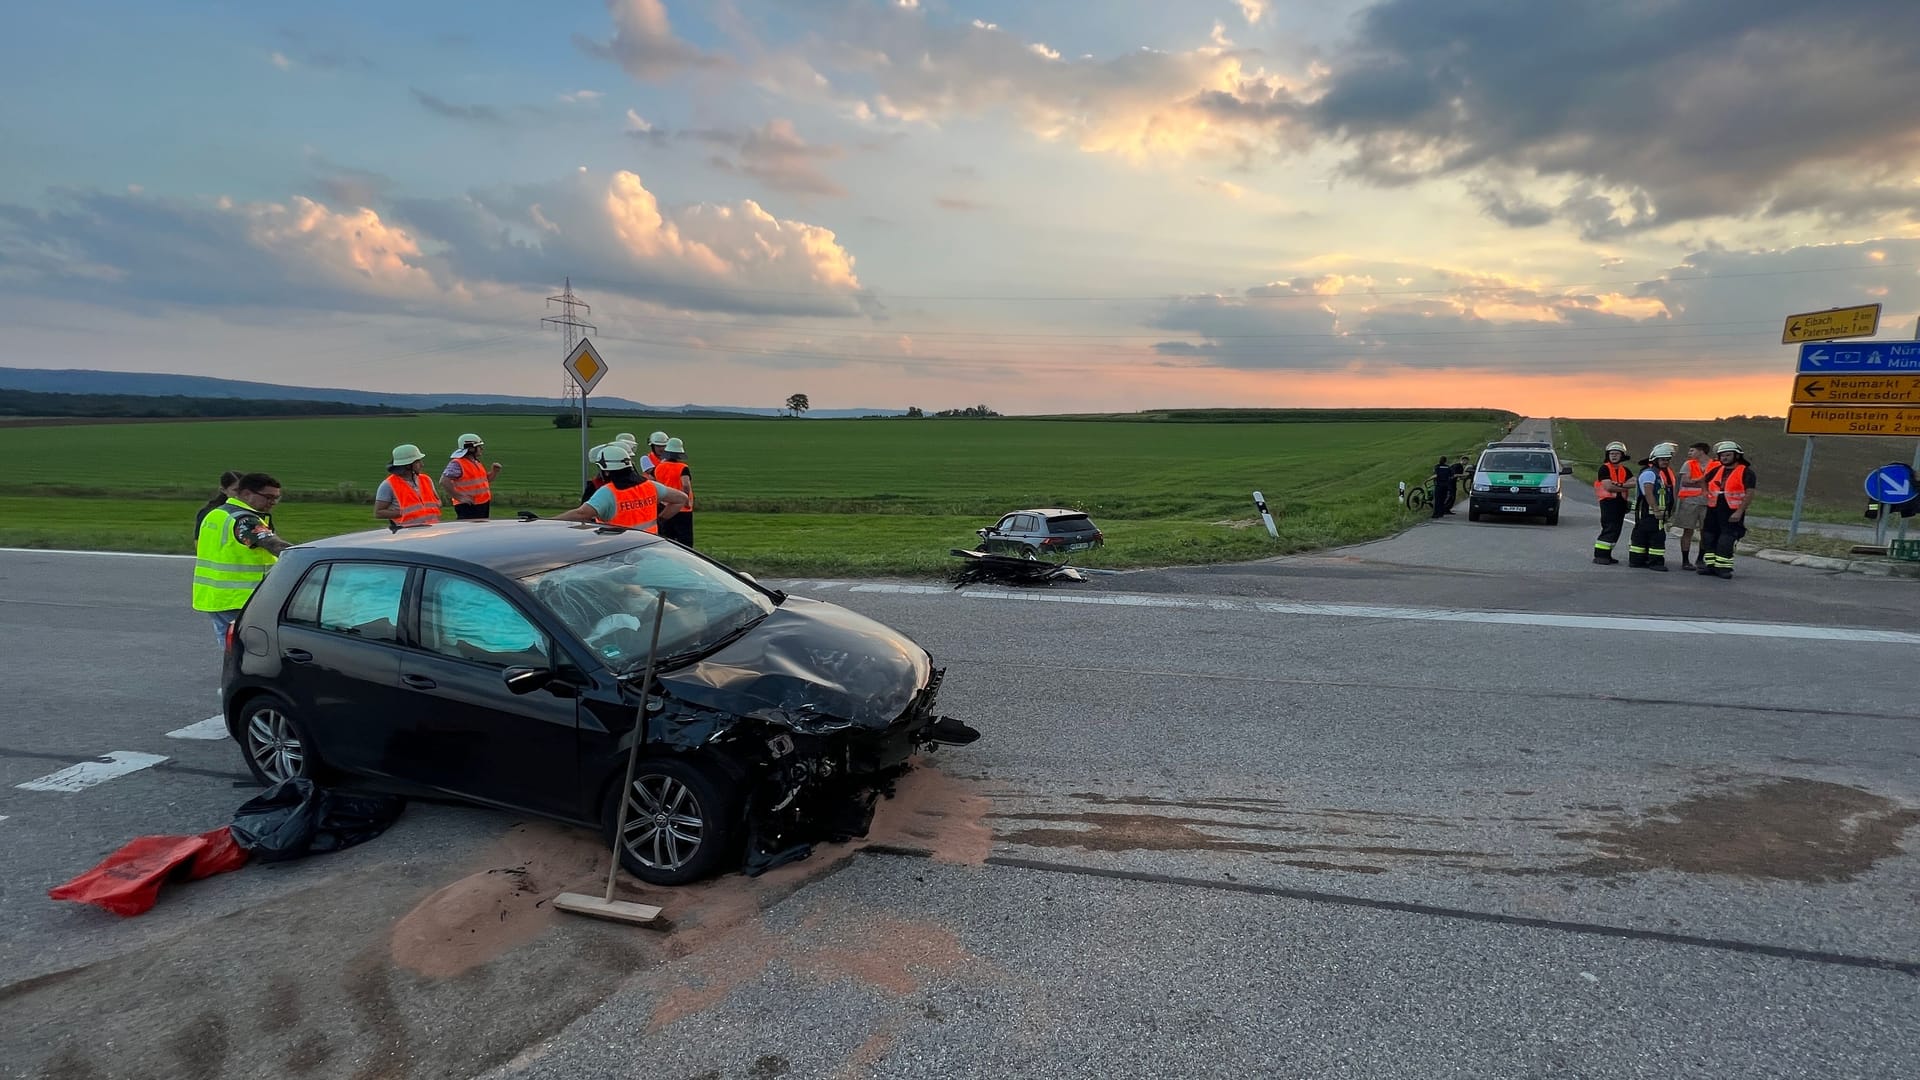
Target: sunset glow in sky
{"points": [[1572, 208]]}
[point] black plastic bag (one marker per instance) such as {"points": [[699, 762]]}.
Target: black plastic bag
{"points": [[295, 818]]}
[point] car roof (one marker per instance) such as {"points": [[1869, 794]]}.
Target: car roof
{"points": [[1519, 446], [511, 548], [1051, 513]]}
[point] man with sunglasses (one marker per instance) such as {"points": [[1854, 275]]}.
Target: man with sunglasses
{"points": [[234, 549]]}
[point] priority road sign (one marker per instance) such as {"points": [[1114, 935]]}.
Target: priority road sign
{"points": [[1833, 420], [1891, 484], [1860, 358], [1857, 389], [1861, 321], [585, 365]]}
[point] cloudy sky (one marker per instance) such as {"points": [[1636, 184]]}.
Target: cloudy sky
{"points": [[1577, 207]]}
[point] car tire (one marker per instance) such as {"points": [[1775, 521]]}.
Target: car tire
{"points": [[1473, 512], [274, 741], [1553, 518], [673, 790]]}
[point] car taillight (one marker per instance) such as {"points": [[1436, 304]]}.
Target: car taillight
{"points": [[232, 629]]}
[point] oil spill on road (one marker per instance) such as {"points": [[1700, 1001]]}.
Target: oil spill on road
{"points": [[486, 913], [1112, 832], [352, 973], [1787, 829]]}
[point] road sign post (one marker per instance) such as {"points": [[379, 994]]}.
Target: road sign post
{"points": [[1800, 492], [587, 369], [1890, 485]]}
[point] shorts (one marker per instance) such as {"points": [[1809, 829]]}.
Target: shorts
{"points": [[1690, 514]]}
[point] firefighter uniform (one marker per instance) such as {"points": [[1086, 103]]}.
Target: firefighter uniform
{"points": [[1730, 485], [1613, 504], [1648, 546]]}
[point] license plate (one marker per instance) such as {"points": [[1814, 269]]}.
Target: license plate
{"points": [[1084, 546], [1513, 509]]}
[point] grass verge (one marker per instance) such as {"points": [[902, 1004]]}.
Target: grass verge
{"points": [[784, 543]]}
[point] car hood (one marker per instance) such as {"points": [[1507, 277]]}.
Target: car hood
{"points": [[811, 666]]}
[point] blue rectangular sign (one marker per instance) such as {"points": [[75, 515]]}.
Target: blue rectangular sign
{"points": [[1859, 357]]}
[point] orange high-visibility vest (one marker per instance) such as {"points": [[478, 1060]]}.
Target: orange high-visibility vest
{"points": [[473, 485], [419, 504], [636, 507], [1727, 486], [1695, 484], [1616, 473], [674, 475]]}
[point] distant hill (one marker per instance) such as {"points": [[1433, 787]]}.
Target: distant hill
{"points": [[148, 384]]}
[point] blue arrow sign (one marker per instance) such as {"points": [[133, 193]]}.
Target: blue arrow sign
{"points": [[1891, 484], [1858, 358]]}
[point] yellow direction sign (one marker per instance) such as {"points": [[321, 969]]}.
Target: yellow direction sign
{"points": [[585, 365], [1856, 390], [1826, 420], [1861, 321]]}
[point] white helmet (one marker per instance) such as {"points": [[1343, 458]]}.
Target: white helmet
{"points": [[1664, 450], [658, 438], [1620, 446], [1725, 447], [406, 454], [613, 457], [675, 446]]}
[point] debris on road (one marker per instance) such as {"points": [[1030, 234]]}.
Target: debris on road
{"points": [[1006, 570], [296, 818], [128, 881]]}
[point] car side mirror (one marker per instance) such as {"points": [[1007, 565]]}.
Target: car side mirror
{"points": [[525, 680], [1566, 470]]}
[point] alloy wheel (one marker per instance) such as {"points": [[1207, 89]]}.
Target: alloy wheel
{"points": [[664, 824], [274, 745]]}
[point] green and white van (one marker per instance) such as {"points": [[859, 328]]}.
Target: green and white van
{"points": [[1517, 478]]}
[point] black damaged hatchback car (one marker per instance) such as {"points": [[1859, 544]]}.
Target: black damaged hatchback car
{"points": [[500, 662]]}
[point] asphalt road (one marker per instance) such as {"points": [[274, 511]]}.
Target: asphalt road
{"points": [[1456, 803]]}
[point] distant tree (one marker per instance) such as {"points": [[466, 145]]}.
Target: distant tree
{"points": [[914, 411], [569, 420], [971, 411], [798, 403]]}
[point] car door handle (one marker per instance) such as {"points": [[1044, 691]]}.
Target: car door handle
{"points": [[419, 682], [298, 656]]}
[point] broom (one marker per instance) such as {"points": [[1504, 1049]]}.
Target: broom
{"points": [[606, 907]]}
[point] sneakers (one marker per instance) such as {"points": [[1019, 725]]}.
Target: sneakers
{"points": [[1686, 564]]}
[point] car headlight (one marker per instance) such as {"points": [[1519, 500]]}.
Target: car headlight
{"points": [[1479, 486]]}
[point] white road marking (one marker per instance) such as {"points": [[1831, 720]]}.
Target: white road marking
{"points": [[88, 773], [213, 727], [1623, 623], [115, 554]]}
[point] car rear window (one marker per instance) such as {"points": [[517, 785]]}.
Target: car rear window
{"points": [[1518, 461], [1070, 523]]}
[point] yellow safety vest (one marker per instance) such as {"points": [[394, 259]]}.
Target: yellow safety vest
{"points": [[226, 571]]}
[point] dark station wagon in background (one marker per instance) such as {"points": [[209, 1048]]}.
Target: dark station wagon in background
{"points": [[1041, 533], [500, 662]]}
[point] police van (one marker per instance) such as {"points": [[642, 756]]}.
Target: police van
{"points": [[1517, 478]]}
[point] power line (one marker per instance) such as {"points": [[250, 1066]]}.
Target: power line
{"points": [[1275, 297]]}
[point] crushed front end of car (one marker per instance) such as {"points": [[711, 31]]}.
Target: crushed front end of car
{"points": [[815, 715]]}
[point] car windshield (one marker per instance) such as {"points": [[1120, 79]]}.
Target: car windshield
{"points": [[1518, 461], [608, 603]]}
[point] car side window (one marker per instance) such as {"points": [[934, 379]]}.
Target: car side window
{"points": [[1007, 523], [1030, 523], [363, 599], [463, 619], [304, 608]]}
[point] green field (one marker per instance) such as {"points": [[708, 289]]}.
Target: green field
{"points": [[813, 496]]}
